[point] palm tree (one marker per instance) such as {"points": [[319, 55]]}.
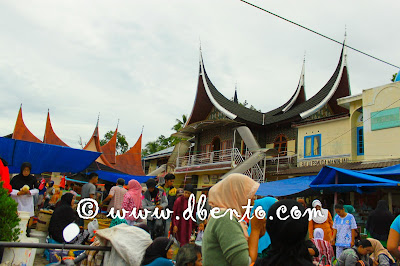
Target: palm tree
{"points": [[180, 123]]}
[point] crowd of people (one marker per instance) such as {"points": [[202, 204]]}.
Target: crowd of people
{"points": [[225, 238]]}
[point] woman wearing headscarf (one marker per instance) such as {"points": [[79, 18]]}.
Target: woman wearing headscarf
{"points": [[380, 254], [323, 246], [24, 187], [265, 240], [132, 199], [379, 221], [182, 228], [63, 215], [287, 228], [323, 221], [159, 253], [224, 241]]}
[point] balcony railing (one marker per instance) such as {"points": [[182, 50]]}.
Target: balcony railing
{"points": [[226, 158], [223, 156]]}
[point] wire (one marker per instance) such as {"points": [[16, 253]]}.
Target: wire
{"points": [[320, 34], [358, 124]]}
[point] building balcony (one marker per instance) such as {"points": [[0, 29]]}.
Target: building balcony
{"points": [[217, 161]]}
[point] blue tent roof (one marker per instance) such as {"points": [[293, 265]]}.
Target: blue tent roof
{"points": [[348, 180], [285, 187], [387, 171], [112, 177], [44, 157]]}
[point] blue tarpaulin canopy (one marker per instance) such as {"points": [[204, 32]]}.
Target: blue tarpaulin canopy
{"points": [[386, 171], [44, 157], [348, 180], [285, 187], [112, 177]]}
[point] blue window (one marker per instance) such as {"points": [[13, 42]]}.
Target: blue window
{"points": [[312, 146], [360, 140]]}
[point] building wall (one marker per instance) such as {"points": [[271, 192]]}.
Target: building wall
{"points": [[153, 165], [335, 142], [381, 144], [355, 122], [207, 136]]}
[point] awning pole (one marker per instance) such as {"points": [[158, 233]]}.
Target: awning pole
{"points": [[390, 201], [336, 194]]}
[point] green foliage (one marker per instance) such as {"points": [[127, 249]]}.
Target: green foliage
{"points": [[9, 220], [180, 123], [160, 144], [122, 144], [163, 142], [394, 77]]}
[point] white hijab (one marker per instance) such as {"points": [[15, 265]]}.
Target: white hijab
{"points": [[317, 218], [318, 233]]}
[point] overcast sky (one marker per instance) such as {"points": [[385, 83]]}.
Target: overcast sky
{"points": [[137, 61]]}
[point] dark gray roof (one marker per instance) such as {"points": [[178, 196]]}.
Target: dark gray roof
{"points": [[277, 115]]}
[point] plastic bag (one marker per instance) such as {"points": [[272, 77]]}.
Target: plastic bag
{"points": [[93, 226]]}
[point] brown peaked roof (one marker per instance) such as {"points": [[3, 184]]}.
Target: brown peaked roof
{"points": [[94, 145], [50, 136], [109, 149], [296, 109], [131, 161], [21, 132]]}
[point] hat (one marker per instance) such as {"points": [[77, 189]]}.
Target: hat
{"points": [[189, 187]]}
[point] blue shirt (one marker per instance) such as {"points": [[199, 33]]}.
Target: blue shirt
{"points": [[396, 224], [161, 262], [344, 227]]}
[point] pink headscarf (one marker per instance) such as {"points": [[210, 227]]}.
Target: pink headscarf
{"points": [[233, 192], [135, 191]]}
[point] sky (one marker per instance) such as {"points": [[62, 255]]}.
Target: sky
{"points": [[138, 61]]}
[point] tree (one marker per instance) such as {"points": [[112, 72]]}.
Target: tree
{"points": [[9, 220], [163, 142], [122, 144], [180, 123], [394, 77]]}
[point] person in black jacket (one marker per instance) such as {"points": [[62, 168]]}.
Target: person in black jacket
{"points": [[64, 215], [170, 191]]}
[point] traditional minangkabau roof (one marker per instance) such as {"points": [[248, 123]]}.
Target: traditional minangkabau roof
{"points": [[94, 145], [109, 149], [50, 136], [131, 161], [297, 108], [21, 132]]}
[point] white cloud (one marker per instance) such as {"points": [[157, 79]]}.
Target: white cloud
{"points": [[138, 61]]}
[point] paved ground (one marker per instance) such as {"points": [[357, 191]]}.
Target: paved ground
{"points": [[40, 260]]}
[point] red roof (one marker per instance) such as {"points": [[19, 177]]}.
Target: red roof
{"points": [[94, 145], [21, 132], [131, 161], [109, 149], [50, 137]]}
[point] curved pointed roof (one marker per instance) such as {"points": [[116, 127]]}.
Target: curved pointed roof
{"points": [[21, 132], [94, 145], [295, 109], [131, 161], [50, 137], [109, 149]]}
